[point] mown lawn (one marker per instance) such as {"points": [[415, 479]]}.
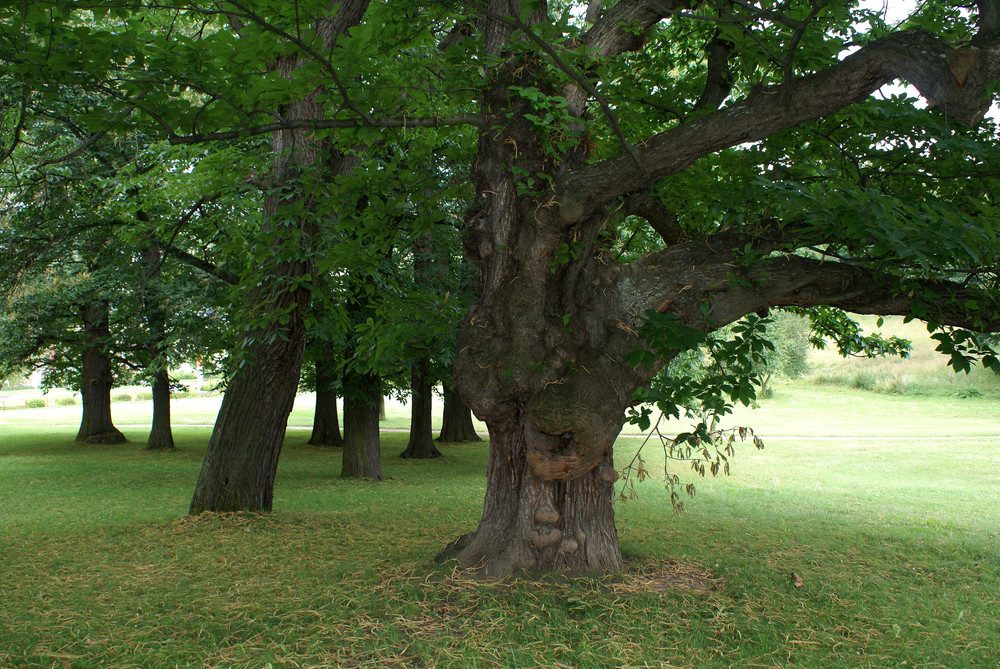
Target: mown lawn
{"points": [[886, 507]]}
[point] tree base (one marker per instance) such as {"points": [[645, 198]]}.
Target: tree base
{"points": [[159, 448], [323, 444], [421, 448], [103, 438], [456, 424], [407, 455], [564, 526], [483, 555]]}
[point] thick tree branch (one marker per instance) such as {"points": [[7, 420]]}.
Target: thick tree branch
{"points": [[328, 124], [623, 28], [685, 277], [663, 221], [805, 282], [594, 8], [581, 81], [204, 265], [914, 55], [719, 81], [989, 17]]}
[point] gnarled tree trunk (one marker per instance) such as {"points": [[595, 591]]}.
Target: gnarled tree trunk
{"points": [[536, 349], [456, 423], [96, 379], [421, 444], [532, 523]]}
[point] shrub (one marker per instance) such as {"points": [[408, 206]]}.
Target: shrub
{"points": [[35, 403], [66, 401], [184, 376], [121, 397], [143, 395], [209, 387]]}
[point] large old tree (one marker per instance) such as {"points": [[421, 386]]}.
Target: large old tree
{"points": [[543, 354]]}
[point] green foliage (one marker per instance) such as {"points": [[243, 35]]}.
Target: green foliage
{"points": [[789, 336], [728, 374], [964, 348], [121, 397], [67, 401], [837, 325], [35, 403]]}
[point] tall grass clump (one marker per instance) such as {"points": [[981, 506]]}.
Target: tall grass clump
{"points": [[924, 372]]}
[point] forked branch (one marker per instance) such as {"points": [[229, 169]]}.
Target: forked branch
{"points": [[914, 55]]}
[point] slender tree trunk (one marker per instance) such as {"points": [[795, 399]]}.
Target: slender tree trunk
{"points": [[326, 422], [160, 436], [421, 444], [242, 458], [456, 424], [96, 379], [362, 450], [530, 523]]}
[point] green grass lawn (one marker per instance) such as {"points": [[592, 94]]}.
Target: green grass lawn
{"points": [[886, 506]]}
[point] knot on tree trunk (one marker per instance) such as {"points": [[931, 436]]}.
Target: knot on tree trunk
{"points": [[568, 431]]}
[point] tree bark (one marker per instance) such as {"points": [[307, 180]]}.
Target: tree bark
{"points": [[530, 523], [161, 437], [421, 444], [530, 359], [362, 449], [96, 379], [242, 458], [326, 422], [456, 424]]}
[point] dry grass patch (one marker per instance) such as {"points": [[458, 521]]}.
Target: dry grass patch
{"points": [[668, 577]]}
